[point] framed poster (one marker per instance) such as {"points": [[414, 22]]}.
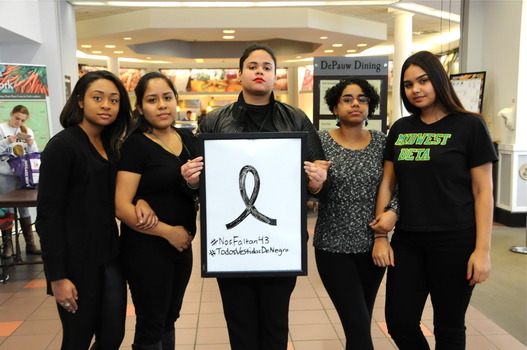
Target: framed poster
{"points": [[253, 204], [328, 71], [469, 88]]}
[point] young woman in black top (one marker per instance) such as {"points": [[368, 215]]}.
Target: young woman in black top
{"points": [[440, 158], [158, 260], [76, 215]]}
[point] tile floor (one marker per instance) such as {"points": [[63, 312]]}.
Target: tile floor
{"points": [[29, 321]]}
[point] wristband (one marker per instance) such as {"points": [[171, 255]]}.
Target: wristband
{"points": [[191, 187], [317, 191]]}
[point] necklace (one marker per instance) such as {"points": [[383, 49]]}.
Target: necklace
{"points": [[268, 112], [170, 149]]}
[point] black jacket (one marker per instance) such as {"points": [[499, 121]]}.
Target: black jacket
{"points": [[233, 119]]}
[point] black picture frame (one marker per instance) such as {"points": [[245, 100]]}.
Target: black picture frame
{"points": [[263, 233], [469, 88]]}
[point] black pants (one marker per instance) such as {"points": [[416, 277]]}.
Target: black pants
{"points": [[435, 264], [157, 279], [257, 311], [101, 312], [352, 282]]}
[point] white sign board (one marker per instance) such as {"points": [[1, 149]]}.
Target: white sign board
{"points": [[253, 204]]}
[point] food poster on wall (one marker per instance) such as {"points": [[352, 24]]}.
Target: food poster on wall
{"points": [[26, 85], [83, 69], [214, 80], [307, 78], [130, 77]]}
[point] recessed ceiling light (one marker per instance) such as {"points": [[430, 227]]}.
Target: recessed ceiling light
{"points": [[351, 51], [337, 45], [96, 52], [127, 38], [148, 58], [199, 60], [329, 51], [298, 56], [229, 31], [109, 46], [86, 46], [118, 52], [228, 37], [362, 45], [323, 37]]}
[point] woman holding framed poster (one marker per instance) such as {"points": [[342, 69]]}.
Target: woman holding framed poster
{"points": [[256, 308]]}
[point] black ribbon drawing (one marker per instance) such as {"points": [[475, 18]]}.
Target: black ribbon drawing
{"points": [[249, 202]]}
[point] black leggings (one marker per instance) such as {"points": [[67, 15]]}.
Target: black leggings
{"points": [[352, 282], [435, 264], [101, 312]]}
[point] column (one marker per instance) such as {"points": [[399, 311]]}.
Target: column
{"points": [[113, 65], [402, 49]]}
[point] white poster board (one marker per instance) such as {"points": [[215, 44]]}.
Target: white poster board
{"points": [[253, 204], [469, 89]]}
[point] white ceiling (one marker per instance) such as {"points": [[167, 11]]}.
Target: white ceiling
{"points": [[179, 35]]}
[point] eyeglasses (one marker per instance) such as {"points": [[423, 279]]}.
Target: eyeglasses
{"points": [[349, 99]]}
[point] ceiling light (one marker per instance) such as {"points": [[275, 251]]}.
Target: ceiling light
{"points": [[351, 51], [329, 51], [425, 10], [96, 52], [229, 31], [337, 45], [323, 37], [109, 46], [118, 52], [228, 37], [362, 45], [148, 58], [199, 60], [86, 46], [127, 38]]}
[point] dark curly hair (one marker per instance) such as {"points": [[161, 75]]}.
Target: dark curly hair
{"points": [[334, 93]]}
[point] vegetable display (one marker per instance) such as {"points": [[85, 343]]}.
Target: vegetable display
{"points": [[23, 79]]}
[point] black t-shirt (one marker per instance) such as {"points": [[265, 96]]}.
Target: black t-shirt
{"points": [[259, 118], [432, 164], [161, 184]]}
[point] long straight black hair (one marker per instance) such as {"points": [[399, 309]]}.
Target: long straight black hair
{"points": [[72, 114], [445, 93]]}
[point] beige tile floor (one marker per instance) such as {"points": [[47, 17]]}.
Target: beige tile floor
{"points": [[29, 321]]}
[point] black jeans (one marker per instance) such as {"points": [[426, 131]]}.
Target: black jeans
{"points": [[101, 312], [435, 264], [257, 311], [352, 282], [158, 279]]}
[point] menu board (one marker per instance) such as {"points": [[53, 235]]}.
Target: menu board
{"points": [[469, 88]]}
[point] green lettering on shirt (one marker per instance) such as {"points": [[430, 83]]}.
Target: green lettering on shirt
{"points": [[417, 154], [422, 139]]}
